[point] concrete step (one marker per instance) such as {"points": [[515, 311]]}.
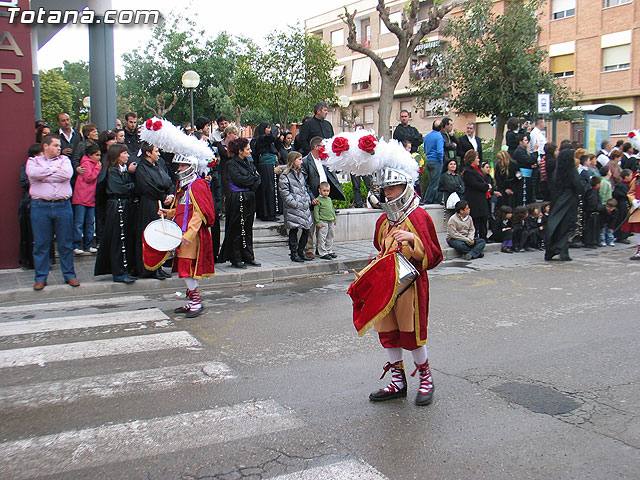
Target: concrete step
{"points": [[270, 241]]}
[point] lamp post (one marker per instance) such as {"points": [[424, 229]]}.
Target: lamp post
{"points": [[190, 80]]}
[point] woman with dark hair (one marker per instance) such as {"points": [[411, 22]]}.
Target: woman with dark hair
{"points": [[105, 140], [451, 182], [286, 146], [244, 180], [153, 185], [476, 191], [265, 156], [114, 253], [566, 188], [511, 137], [41, 132], [508, 180], [229, 134]]}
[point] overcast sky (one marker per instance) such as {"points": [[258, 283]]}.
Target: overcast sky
{"points": [[253, 19]]}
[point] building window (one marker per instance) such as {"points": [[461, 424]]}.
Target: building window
{"points": [[615, 3], [616, 58], [616, 51], [563, 65], [361, 74], [563, 9], [337, 38], [365, 30], [367, 114], [622, 125], [338, 74]]}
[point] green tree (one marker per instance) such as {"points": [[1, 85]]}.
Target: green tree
{"points": [[494, 66], [158, 68], [76, 74], [295, 70], [56, 95]]}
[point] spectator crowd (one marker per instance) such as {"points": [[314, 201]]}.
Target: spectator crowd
{"points": [[94, 193]]}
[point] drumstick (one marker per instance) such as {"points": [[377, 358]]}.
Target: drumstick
{"points": [[164, 227]]}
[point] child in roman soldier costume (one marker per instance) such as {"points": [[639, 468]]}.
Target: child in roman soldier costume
{"points": [[632, 222], [192, 210], [392, 293]]}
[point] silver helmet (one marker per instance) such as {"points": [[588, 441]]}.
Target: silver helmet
{"points": [[185, 177], [398, 209]]}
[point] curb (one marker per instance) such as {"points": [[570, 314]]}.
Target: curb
{"points": [[222, 278]]}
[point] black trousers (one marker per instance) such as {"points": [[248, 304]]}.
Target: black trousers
{"points": [[295, 244]]}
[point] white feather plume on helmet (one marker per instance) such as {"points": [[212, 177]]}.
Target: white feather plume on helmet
{"points": [[634, 139], [163, 134], [360, 153]]}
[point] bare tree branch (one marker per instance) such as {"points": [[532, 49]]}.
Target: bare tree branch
{"points": [[144, 104], [172, 104], [353, 44], [393, 27]]}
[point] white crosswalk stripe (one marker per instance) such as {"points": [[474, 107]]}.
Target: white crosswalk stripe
{"points": [[73, 304], [140, 381], [73, 450], [42, 355], [348, 470], [80, 321]]}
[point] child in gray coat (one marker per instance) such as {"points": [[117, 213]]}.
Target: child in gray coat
{"points": [[296, 205]]}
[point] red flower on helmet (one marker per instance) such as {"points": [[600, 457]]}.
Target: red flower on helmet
{"points": [[157, 125], [339, 145], [367, 143], [632, 134], [321, 153], [149, 124]]}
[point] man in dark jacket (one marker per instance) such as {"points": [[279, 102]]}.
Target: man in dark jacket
{"points": [[404, 131], [131, 138], [316, 126], [69, 138], [315, 173], [469, 142], [450, 145]]}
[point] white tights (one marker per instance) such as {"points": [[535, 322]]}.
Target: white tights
{"points": [[192, 283], [419, 354]]}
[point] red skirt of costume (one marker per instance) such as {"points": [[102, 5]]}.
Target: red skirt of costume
{"points": [[632, 225]]}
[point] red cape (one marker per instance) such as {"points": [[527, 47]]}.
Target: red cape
{"points": [[201, 201], [373, 297]]}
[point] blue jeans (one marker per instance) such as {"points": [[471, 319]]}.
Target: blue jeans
{"points": [[83, 218], [463, 248], [432, 195], [48, 218]]}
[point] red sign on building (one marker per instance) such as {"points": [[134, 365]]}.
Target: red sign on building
{"points": [[16, 123]]}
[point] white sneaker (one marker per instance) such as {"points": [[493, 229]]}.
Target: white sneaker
{"points": [[602, 244], [92, 250], [77, 251], [612, 244]]}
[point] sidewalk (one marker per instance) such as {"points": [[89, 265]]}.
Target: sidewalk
{"points": [[16, 285]]}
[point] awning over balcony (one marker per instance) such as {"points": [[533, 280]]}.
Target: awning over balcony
{"points": [[361, 70], [602, 109]]}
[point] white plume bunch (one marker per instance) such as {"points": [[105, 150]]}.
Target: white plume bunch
{"points": [[355, 160], [634, 139], [171, 139]]}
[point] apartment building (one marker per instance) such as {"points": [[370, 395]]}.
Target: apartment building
{"points": [[593, 45]]}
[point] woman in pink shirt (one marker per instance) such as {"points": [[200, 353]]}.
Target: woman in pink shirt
{"points": [[84, 201]]}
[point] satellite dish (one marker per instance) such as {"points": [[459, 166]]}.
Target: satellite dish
{"points": [[343, 101]]}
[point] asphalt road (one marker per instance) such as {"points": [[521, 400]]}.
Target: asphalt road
{"points": [[536, 367]]}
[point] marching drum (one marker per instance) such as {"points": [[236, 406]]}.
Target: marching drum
{"points": [[163, 235]]}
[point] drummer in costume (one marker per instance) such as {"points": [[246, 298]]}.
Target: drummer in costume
{"points": [[632, 223], [400, 318], [192, 209]]}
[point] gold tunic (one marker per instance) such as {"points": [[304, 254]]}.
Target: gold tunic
{"points": [[401, 316]]}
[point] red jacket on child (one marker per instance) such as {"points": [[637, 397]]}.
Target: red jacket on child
{"points": [[84, 191]]}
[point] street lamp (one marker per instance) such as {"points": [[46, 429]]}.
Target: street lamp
{"points": [[190, 80]]}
